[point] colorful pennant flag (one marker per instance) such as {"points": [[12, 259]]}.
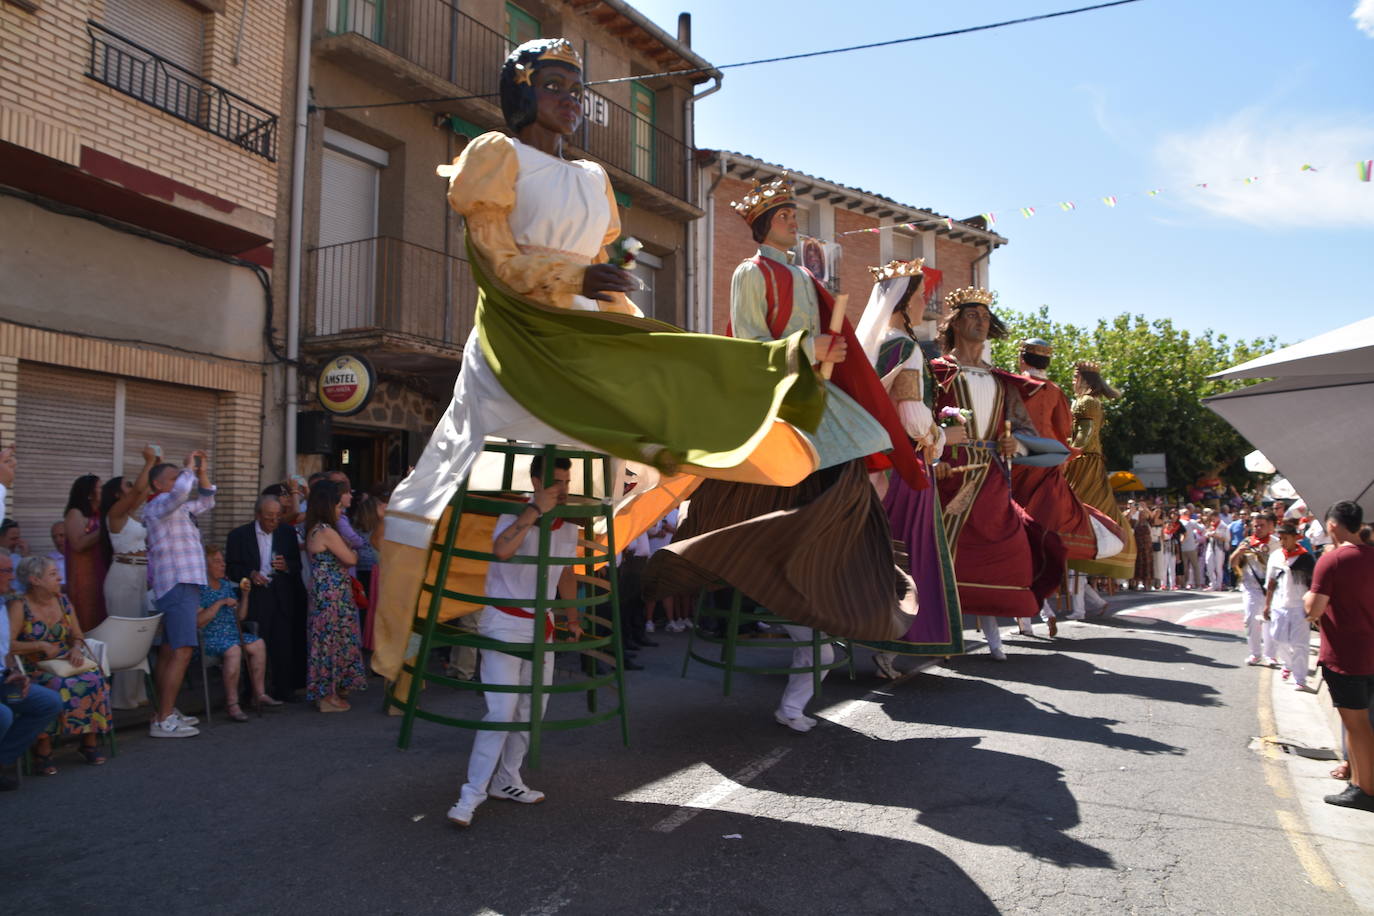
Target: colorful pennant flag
{"points": [[1306, 168], [1027, 212], [1203, 185], [1366, 169], [1067, 205], [989, 218], [1109, 201], [949, 223], [1252, 179], [1154, 193]]}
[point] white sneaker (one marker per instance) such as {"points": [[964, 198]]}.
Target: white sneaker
{"points": [[801, 724], [185, 719], [648, 626], [461, 814], [998, 655], [171, 727], [1023, 627], [522, 794]]}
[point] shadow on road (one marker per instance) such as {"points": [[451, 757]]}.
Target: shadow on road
{"points": [[978, 703], [1061, 669]]}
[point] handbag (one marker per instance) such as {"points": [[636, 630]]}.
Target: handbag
{"points": [[61, 667]]}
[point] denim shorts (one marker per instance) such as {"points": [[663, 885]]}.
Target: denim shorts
{"points": [[179, 607]]}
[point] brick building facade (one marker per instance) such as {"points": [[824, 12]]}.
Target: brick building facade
{"points": [[140, 168], [832, 213]]}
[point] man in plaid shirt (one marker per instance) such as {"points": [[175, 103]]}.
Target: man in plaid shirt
{"points": [[176, 569]]}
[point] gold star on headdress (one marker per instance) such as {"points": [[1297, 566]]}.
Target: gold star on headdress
{"points": [[764, 197]]}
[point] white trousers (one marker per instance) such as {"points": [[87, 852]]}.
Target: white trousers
{"points": [[497, 755], [1168, 566], [1215, 560], [801, 687], [1256, 628], [1292, 639], [992, 631]]}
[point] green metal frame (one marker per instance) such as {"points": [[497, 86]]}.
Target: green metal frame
{"points": [[641, 93], [731, 641], [599, 630], [343, 20]]}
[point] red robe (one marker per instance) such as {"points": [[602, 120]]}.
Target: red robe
{"points": [[1005, 564], [1044, 493]]}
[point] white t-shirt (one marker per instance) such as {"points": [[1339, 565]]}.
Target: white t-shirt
{"points": [[1253, 572], [1288, 593], [518, 580], [659, 536]]}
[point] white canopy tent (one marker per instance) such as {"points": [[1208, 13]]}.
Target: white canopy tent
{"points": [[1314, 421]]}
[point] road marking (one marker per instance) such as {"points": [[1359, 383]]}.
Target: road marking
{"points": [[726, 786], [716, 794], [1276, 774]]}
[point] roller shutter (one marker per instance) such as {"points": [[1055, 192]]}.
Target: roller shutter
{"points": [[65, 428]]}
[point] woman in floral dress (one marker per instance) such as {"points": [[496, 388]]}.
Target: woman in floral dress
{"points": [[335, 657], [45, 627]]}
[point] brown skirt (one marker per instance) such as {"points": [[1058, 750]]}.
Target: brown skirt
{"points": [[819, 553]]}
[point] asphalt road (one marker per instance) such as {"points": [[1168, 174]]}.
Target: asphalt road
{"points": [[1110, 772]]}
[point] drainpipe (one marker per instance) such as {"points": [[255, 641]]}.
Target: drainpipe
{"points": [[706, 307], [974, 265], [296, 240], [701, 320]]}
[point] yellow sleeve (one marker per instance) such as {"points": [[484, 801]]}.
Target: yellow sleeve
{"points": [[482, 190]]}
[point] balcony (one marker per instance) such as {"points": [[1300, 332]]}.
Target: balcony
{"points": [[409, 307], [431, 49], [135, 71]]}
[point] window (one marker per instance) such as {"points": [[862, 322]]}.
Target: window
{"points": [[361, 16], [153, 29], [346, 259], [646, 267], [642, 131], [520, 26]]}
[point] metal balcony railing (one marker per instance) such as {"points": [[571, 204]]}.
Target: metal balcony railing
{"points": [[436, 36], [132, 69], [385, 284]]}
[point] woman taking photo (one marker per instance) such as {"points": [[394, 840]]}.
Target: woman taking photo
{"points": [[87, 562], [45, 628], [126, 583], [335, 654]]}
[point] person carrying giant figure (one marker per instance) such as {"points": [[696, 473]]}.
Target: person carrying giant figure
{"points": [[559, 355], [889, 340], [818, 553], [1005, 563]]}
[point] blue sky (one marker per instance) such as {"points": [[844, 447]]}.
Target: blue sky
{"points": [[1160, 94]]}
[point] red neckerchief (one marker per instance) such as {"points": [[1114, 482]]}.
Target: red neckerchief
{"points": [[557, 523], [1171, 529], [1290, 554], [1256, 542]]}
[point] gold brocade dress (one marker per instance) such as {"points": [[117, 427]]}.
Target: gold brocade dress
{"points": [[1087, 477]]}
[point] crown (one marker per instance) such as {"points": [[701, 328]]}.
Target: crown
{"points": [[897, 269], [1089, 365], [970, 295], [1037, 346], [764, 197], [559, 52]]}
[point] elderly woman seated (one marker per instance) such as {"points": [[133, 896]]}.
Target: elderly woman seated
{"points": [[45, 628], [221, 611]]}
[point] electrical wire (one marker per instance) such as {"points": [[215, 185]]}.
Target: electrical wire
{"points": [[763, 60]]}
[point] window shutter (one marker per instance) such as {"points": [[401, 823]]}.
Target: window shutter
{"points": [[169, 28], [64, 429], [179, 419]]}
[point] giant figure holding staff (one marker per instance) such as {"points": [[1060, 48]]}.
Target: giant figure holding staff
{"points": [[818, 553]]}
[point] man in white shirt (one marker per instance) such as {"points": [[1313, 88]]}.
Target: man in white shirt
{"points": [[1286, 581], [1250, 562], [1190, 539], [494, 767]]}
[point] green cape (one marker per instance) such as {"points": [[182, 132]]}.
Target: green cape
{"points": [[642, 389]]}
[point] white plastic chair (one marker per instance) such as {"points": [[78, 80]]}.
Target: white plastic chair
{"points": [[128, 640]]}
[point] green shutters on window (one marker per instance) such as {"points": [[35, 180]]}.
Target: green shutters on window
{"points": [[642, 131], [362, 16], [520, 26]]}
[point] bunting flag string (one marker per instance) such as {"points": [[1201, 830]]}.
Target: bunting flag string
{"points": [[1364, 171]]}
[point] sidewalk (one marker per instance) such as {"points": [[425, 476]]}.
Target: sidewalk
{"points": [[1344, 838]]}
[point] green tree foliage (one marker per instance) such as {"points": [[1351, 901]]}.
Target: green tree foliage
{"points": [[1161, 372]]}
